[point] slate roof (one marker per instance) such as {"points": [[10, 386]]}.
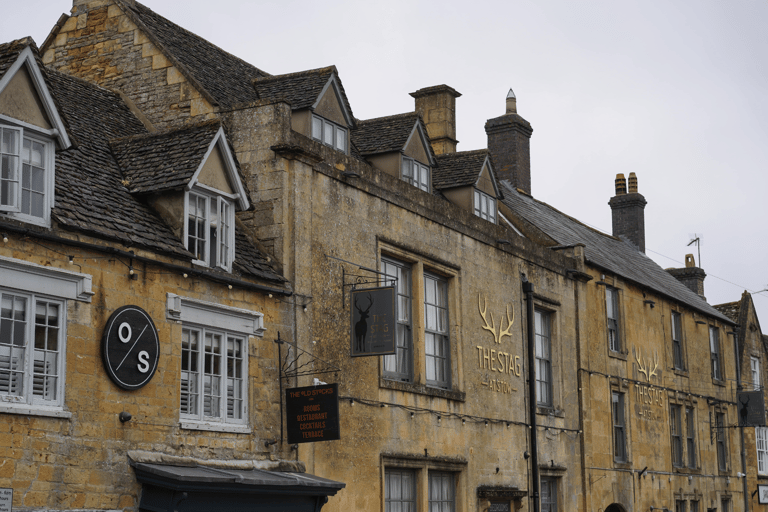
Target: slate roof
{"points": [[226, 78], [460, 169], [89, 192], [604, 251], [730, 309], [300, 89], [384, 134], [157, 162], [9, 52]]}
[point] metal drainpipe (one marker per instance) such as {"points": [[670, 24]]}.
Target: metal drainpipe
{"points": [[739, 387], [528, 290]]}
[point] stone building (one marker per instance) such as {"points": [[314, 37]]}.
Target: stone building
{"points": [[656, 369], [752, 349], [134, 310], [319, 205]]}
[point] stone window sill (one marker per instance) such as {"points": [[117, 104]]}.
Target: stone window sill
{"points": [[550, 411], [617, 355], [682, 373], [35, 410], [214, 427], [421, 389]]}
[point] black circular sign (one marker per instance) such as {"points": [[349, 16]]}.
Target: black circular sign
{"points": [[130, 347]]}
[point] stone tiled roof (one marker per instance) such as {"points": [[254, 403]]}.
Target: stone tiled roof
{"points": [[89, 193], [224, 77], [604, 251], [156, 162], [460, 169], [300, 89], [730, 309], [384, 134]]}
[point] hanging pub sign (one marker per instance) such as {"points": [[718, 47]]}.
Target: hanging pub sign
{"points": [[373, 322], [751, 408], [312, 413]]}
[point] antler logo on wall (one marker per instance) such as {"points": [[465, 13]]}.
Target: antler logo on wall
{"points": [[644, 366], [482, 306]]}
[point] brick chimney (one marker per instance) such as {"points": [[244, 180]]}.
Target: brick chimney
{"points": [[691, 276], [509, 141], [628, 208], [437, 106]]}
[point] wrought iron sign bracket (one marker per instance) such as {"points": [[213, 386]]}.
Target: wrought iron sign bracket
{"points": [[356, 280]]}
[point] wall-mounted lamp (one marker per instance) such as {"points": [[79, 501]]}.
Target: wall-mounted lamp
{"points": [[5, 238], [642, 472], [124, 416], [651, 302], [71, 260]]}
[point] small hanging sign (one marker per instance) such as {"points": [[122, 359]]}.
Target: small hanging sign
{"points": [[312, 414], [751, 408], [373, 321]]}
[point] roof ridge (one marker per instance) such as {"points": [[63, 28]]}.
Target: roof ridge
{"points": [[463, 153], [404, 115], [272, 78]]}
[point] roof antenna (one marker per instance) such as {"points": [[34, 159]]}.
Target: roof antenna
{"points": [[696, 239]]}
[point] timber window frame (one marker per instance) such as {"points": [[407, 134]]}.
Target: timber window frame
{"points": [[721, 441], [429, 474], [423, 284], [678, 358], [442, 491], [676, 433], [613, 319], [715, 358], [416, 173], [484, 205], [761, 446], [618, 417], [229, 366], [209, 228], [543, 356], [330, 134], [400, 493], [27, 174], [754, 364], [549, 486]]}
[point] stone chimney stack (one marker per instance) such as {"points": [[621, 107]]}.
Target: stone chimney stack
{"points": [[437, 106], [628, 208], [691, 276], [509, 142]]}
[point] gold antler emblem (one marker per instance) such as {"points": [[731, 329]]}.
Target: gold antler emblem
{"points": [[644, 366], [482, 306]]}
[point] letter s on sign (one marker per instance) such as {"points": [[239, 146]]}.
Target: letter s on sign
{"points": [[143, 361]]}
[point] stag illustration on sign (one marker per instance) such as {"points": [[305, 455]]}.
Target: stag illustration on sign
{"points": [[361, 326], [482, 306], [644, 365]]}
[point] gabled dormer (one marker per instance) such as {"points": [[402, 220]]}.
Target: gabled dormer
{"points": [[319, 106], [398, 145], [31, 130], [191, 178], [467, 179]]}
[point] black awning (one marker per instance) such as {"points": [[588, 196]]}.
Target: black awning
{"points": [[169, 488]]}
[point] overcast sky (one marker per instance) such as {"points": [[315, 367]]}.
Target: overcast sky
{"points": [[676, 92]]}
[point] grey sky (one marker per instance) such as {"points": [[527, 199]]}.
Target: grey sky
{"points": [[673, 91]]}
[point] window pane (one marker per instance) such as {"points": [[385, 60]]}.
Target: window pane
{"points": [[190, 351], [328, 134], [317, 128], [341, 139], [436, 330], [399, 364]]}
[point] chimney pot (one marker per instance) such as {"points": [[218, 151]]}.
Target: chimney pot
{"points": [[632, 183], [511, 102], [621, 184]]}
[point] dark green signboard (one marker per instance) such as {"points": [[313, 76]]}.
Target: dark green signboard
{"points": [[751, 407], [312, 413], [373, 322]]}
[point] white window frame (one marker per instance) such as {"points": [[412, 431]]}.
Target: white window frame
{"points": [[223, 223], [415, 173], [714, 353], [399, 366], [613, 319], [330, 134], [619, 427], [543, 349], [14, 208], [436, 326], [442, 499], [46, 284], [677, 341], [403, 496], [485, 206], [761, 445], [229, 321], [754, 364]]}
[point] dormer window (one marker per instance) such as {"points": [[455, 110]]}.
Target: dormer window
{"points": [[415, 173], [210, 235], [26, 175], [329, 133], [485, 206]]}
